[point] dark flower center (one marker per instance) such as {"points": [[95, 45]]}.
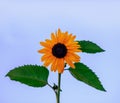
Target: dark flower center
{"points": [[59, 50]]}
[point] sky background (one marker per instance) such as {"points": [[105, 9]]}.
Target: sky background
{"points": [[24, 23]]}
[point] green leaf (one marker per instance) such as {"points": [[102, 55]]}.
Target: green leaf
{"points": [[32, 75], [84, 74], [89, 47]]}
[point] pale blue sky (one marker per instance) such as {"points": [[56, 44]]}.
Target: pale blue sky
{"points": [[23, 23]]}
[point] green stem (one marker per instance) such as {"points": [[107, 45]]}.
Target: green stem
{"points": [[52, 89], [57, 90], [59, 83]]}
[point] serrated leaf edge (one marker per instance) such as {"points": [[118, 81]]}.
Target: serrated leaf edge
{"points": [[7, 75], [102, 50], [86, 83]]}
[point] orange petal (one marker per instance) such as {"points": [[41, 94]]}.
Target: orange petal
{"points": [[61, 38], [60, 65], [45, 50], [65, 37], [45, 44], [48, 61], [73, 47], [74, 36], [53, 37], [74, 50], [69, 62], [68, 39], [54, 65], [50, 42], [45, 57], [73, 57], [59, 35], [72, 44], [59, 31]]}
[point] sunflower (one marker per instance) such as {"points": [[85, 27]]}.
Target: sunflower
{"points": [[60, 49]]}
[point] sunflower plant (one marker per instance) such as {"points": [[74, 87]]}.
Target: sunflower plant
{"points": [[60, 53]]}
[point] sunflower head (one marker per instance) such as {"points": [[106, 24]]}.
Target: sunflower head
{"points": [[60, 49]]}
